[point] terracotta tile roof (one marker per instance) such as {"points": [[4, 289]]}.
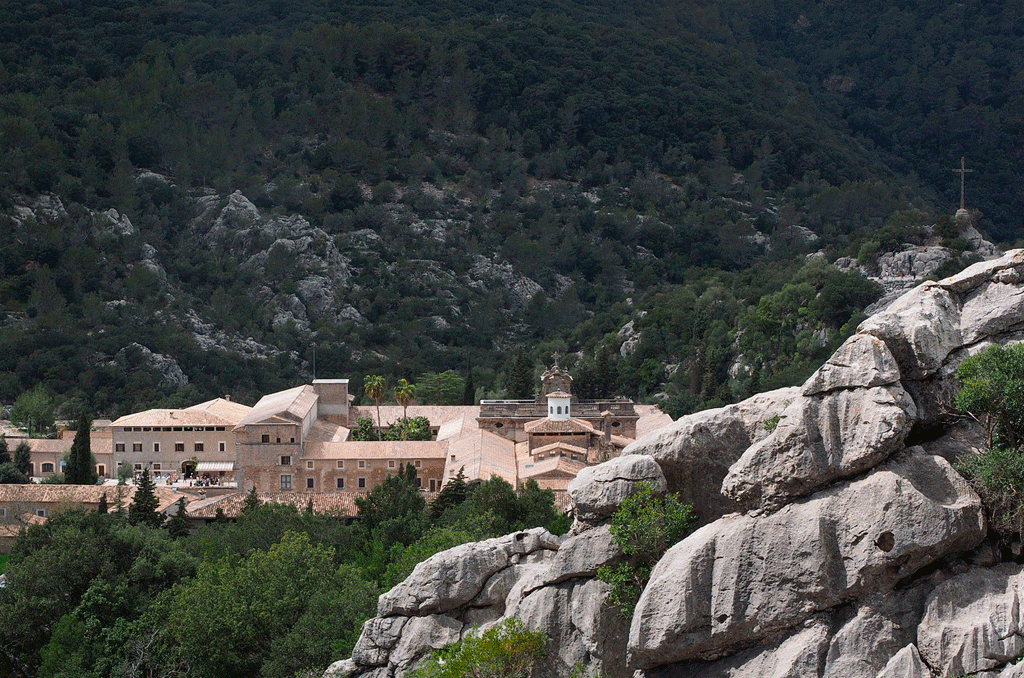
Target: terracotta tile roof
{"points": [[79, 494], [651, 419], [327, 432], [482, 454], [574, 449], [457, 427], [188, 417], [339, 503], [388, 449], [553, 466], [558, 426], [435, 414], [48, 445], [227, 410], [290, 406]]}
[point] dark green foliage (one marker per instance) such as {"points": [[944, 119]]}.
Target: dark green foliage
{"points": [[520, 384], [998, 477], [23, 458], [451, 495], [143, 509], [177, 525], [34, 410], [81, 466], [413, 428], [363, 430], [644, 526], [440, 388], [992, 393], [252, 501], [103, 507], [5, 454]]}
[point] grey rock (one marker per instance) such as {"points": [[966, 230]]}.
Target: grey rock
{"points": [[921, 329], [991, 309], [863, 361], [1002, 269], [167, 367], [913, 261], [598, 490], [341, 669], [744, 577], [795, 655], [378, 637], [882, 625], [452, 578], [421, 635], [696, 451], [905, 664], [821, 439], [973, 622]]}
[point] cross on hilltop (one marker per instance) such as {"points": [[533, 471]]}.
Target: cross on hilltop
{"points": [[962, 171]]}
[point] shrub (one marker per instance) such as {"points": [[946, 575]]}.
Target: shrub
{"points": [[508, 650], [644, 526]]}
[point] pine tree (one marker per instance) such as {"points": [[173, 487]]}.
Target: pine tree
{"points": [[177, 525], [80, 469], [452, 494], [144, 506], [5, 455], [103, 507]]}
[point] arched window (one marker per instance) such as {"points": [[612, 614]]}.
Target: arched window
{"points": [[47, 467], [559, 409]]}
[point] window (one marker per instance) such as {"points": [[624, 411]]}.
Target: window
{"points": [[41, 513], [433, 485], [156, 447], [309, 483], [136, 447], [3, 513], [391, 463], [362, 463], [418, 463], [309, 464], [419, 482], [265, 438], [221, 446], [278, 440], [361, 482], [341, 464], [47, 467], [118, 447], [286, 460], [340, 483], [101, 470], [156, 467], [199, 447], [293, 440], [179, 447], [286, 482], [138, 468]]}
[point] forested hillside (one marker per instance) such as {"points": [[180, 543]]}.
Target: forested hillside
{"points": [[216, 197]]}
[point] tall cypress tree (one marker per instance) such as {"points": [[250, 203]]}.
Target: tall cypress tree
{"points": [[469, 392], [23, 458], [520, 377], [80, 469], [5, 454]]}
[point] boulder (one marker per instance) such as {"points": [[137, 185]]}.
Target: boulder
{"points": [[881, 626], [744, 577], [973, 622], [921, 329], [992, 309], [422, 635], [379, 635], [696, 451], [863, 361], [598, 490], [820, 439], [452, 578]]}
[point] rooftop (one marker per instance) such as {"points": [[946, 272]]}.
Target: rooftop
{"points": [[284, 407]]}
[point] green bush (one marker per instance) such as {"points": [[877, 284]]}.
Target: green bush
{"points": [[508, 650], [644, 526]]}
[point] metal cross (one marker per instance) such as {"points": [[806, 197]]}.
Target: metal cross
{"points": [[962, 171]]}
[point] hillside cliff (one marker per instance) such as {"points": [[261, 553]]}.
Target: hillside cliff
{"points": [[839, 543]]}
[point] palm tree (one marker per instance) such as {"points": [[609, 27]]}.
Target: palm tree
{"points": [[404, 393], [374, 387]]}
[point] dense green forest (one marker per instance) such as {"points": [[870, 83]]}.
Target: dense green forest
{"points": [[277, 593], [410, 188]]}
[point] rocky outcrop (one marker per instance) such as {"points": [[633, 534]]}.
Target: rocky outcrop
{"points": [[831, 545]]}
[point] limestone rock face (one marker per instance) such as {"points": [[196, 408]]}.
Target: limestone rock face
{"points": [[820, 439], [598, 490], [742, 577], [973, 622], [831, 545], [696, 451]]}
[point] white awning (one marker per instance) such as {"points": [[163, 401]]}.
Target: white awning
{"points": [[215, 466]]}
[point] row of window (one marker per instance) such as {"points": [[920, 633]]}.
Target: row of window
{"points": [[286, 483], [128, 429], [286, 460], [178, 447], [265, 438]]}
